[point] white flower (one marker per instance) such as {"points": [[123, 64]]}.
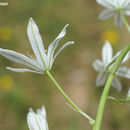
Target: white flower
{"points": [[43, 60], [37, 121], [3, 4], [102, 67], [113, 7]]}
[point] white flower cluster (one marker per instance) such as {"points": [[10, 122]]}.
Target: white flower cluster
{"points": [[113, 7], [43, 60], [102, 67]]}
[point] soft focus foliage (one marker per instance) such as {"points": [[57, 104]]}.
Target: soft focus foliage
{"points": [[72, 69]]}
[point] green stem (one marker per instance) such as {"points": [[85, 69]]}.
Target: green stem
{"points": [[97, 125], [91, 121], [124, 20], [118, 100]]}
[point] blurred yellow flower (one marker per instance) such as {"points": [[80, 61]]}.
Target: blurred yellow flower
{"points": [[6, 82], [111, 35], [5, 33]]}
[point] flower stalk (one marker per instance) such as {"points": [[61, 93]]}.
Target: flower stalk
{"points": [[97, 125], [91, 121], [124, 20], [119, 100]]}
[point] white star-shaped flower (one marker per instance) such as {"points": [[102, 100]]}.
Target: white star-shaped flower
{"points": [[102, 67], [3, 4], [113, 7], [37, 121], [43, 59]]}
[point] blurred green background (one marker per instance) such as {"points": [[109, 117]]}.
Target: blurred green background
{"points": [[72, 69]]}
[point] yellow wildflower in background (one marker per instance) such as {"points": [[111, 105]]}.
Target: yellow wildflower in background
{"points": [[5, 33], [6, 82], [111, 35]]}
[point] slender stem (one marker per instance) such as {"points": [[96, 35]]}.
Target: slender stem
{"points": [[97, 125], [91, 121], [124, 20], [104, 96], [119, 100]]}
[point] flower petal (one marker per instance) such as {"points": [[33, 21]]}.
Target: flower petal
{"points": [[98, 65], [36, 42], [65, 45], [23, 70], [32, 121], [124, 72], [101, 79], [107, 53], [36, 122], [124, 3], [105, 14], [118, 20], [128, 6], [125, 58], [42, 111], [54, 44], [127, 12], [116, 84], [19, 58], [3, 4], [106, 3]]}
